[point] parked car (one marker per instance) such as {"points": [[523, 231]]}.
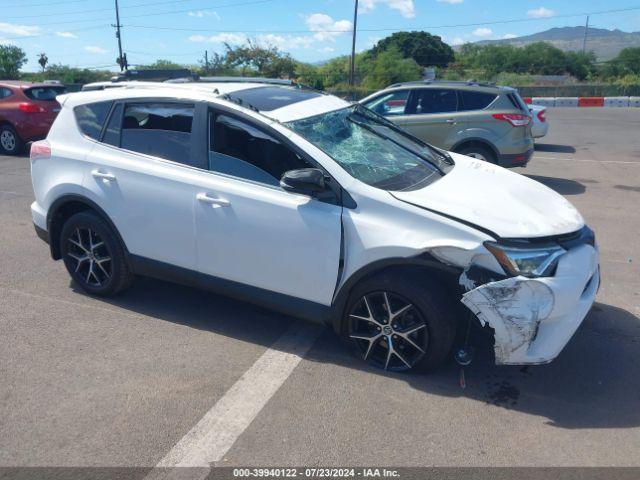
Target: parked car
{"points": [[27, 111], [478, 120], [540, 125], [312, 206]]}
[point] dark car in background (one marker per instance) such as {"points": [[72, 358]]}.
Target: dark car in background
{"points": [[479, 120], [27, 111]]}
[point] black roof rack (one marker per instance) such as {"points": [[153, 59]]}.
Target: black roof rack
{"points": [[160, 75]]}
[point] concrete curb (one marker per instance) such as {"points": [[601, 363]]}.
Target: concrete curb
{"points": [[607, 102]]}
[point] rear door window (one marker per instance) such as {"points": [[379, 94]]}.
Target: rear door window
{"points": [[159, 129], [91, 118], [392, 103], [475, 100], [46, 94], [5, 92], [432, 100]]}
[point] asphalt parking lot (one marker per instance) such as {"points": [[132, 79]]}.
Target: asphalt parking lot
{"points": [[119, 382]]}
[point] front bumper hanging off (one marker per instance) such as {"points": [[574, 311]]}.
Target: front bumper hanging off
{"points": [[534, 318]]}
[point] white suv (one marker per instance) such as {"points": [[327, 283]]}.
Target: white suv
{"points": [[304, 203]]}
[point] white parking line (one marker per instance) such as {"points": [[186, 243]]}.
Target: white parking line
{"points": [[570, 159], [212, 437]]}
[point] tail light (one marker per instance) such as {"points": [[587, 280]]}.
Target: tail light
{"points": [[515, 119], [541, 116], [40, 150], [30, 108]]}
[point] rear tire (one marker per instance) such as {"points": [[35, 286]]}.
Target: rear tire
{"points": [[407, 313], [10, 141], [479, 152], [93, 255]]}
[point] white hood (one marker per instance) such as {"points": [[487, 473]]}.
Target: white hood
{"points": [[503, 202]]}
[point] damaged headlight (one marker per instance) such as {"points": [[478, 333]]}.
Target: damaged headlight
{"points": [[526, 261]]}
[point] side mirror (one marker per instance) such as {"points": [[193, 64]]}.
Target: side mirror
{"points": [[304, 180]]}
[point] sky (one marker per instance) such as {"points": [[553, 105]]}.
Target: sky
{"points": [[80, 33]]}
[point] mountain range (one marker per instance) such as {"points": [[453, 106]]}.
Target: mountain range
{"points": [[606, 44]]}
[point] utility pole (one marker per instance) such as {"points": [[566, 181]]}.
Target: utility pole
{"points": [[122, 59], [584, 40], [206, 62], [352, 68]]}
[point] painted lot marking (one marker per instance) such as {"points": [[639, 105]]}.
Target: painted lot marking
{"points": [[212, 437]]}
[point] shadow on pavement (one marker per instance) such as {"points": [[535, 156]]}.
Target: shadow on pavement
{"points": [[548, 147], [561, 185], [594, 383]]}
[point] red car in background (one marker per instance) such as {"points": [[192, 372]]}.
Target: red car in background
{"points": [[27, 111]]}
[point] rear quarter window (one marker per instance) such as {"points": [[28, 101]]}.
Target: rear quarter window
{"points": [[475, 100], [91, 118], [47, 94]]}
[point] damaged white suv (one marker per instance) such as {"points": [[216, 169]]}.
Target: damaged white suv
{"points": [[304, 203]]}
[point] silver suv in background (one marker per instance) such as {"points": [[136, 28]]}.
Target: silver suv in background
{"points": [[483, 121]]}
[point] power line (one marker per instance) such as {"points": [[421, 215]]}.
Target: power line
{"points": [[432, 27], [96, 10], [227, 5], [256, 2], [22, 5]]}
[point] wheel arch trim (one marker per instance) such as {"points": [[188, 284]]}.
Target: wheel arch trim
{"points": [[476, 140], [424, 262], [60, 202]]}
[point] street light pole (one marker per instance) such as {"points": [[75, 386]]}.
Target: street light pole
{"points": [[584, 40], [353, 47]]}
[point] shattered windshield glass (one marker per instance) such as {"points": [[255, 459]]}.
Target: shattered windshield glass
{"points": [[372, 149]]}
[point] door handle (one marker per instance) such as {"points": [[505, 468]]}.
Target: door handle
{"points": [[450, 120], [105, 176], [203, 197]]}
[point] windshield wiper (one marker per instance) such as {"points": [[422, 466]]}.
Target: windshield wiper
{"points": [[395, 142]]}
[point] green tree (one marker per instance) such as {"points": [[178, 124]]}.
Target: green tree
{"points": [[12, 59], [43, 60], [627, 61], [426, 49], [391, 67], [253, 59], [161, 64], [67, 74], [580, 65]]}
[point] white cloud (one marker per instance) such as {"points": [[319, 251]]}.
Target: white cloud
{"points": [[457, 41], [541, 13], [483, 32], [95, 49], [452, 2], [508, 36], [325, 28], [406, 8], [327, 50], [19, 30], [231, 38], [283, 43], [66, 35], [204, 13]]}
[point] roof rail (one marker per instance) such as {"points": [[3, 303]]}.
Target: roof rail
{"points": [[158, 75], [272, 81], [444, 82]]}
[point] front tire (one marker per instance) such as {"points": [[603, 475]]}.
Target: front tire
{"points": [[399, 323], [10, 141], [93, 255]]}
